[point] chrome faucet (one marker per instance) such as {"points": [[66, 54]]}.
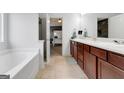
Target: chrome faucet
{"points": [[116, 41]]}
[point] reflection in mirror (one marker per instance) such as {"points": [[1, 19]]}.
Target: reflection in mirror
{"points": [[111, 26], [102, 27]]}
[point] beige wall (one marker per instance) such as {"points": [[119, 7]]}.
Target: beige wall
{"points": [[54, 22]]}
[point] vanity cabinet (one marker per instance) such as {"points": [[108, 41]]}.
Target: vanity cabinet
{"points": [[109, 71], [97, 62], [89, 63]]}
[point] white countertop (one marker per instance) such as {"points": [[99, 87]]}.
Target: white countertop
{"points": [[110, 46]]}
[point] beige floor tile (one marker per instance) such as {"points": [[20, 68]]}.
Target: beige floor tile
{"points": [[61, 67]]}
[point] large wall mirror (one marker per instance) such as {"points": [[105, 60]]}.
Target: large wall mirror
{"points": [[111, 27]]}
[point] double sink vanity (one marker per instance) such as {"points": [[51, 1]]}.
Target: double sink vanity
{"points": [[99, 59]]}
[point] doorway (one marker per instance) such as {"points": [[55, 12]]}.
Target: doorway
{"points": [[56, 36]]}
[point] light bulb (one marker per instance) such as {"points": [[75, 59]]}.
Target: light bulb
{"points": [[59, 20]]}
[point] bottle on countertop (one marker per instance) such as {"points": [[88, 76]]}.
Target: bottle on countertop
{"points": [[74, 34], [85, 32]]}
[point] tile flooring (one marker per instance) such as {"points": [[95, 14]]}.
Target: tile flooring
{"points": [[60, 67], [56, 50]]}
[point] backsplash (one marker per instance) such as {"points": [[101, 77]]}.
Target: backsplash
{"points": [[3, 45]]}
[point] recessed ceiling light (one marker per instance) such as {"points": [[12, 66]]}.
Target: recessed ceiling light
{"points": [[59, 20]]}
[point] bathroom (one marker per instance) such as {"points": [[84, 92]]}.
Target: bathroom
{"points": [[29, 48], [92, 46]]}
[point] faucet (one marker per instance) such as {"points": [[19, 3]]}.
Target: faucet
{"points": [[116, 41]]}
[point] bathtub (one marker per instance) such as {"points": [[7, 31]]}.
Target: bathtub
{"points": [[19, 63]]}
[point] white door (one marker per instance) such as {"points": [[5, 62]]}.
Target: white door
{"points": [[48, 37]]}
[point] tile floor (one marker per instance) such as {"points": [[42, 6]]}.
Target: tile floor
{"points": [[56, 50], [61, 67]]}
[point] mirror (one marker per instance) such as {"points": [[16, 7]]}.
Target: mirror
{"points": [[111, 27]]}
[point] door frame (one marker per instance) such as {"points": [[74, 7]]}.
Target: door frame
{"points": [[62, 30]]}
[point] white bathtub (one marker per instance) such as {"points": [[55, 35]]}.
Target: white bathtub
{"points": [[19, 63]]}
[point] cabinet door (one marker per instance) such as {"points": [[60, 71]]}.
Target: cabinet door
{"points": [[75, 52], [109, 71], [80, 51], [72, 48], [90, 65]]}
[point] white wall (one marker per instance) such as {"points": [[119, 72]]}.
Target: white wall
{"points": [[54, 22], [3, 45], [3, 31], [116, 26], [71, 21], [89, 21], [43, 17], [0, 26], [23, 30]]}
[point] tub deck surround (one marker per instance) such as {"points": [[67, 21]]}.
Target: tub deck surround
{"points": [[19, 63], [41, 51], [110, 46]]}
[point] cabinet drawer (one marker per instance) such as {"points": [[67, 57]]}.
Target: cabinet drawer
{"points": [[116, 59], [109, 71], [86, 48], [99, 53], [80, 45]]}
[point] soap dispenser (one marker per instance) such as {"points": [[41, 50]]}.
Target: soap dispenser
{"points": [[85, 33]]}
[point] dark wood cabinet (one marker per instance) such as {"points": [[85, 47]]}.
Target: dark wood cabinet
{"points": [[96, 62], [90, 65], [109, 71]]}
